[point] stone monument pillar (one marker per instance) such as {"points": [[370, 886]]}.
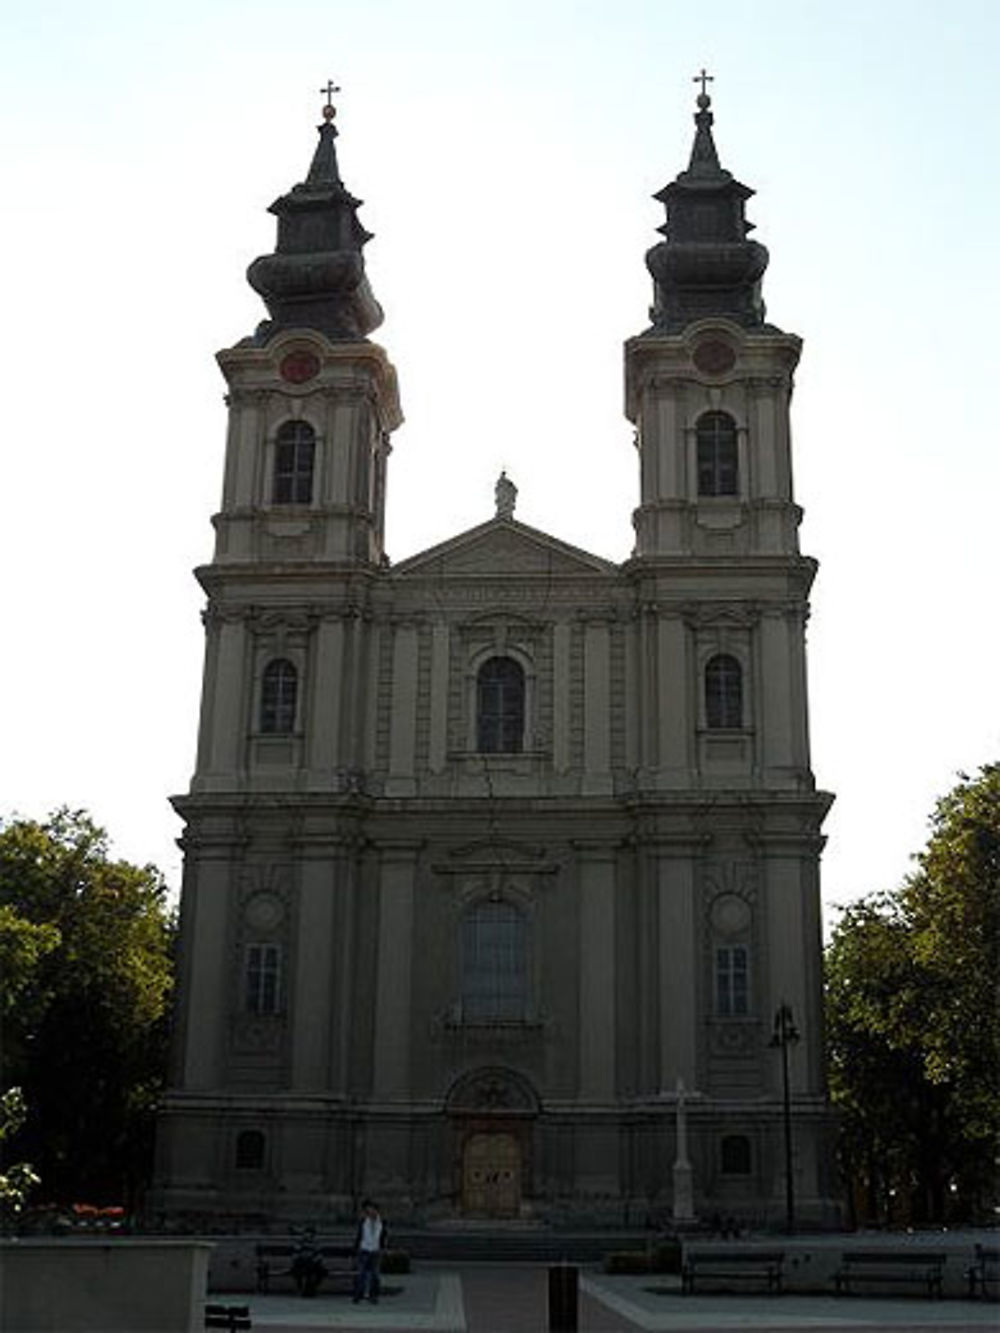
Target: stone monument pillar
{"points": [[683, 1171]]}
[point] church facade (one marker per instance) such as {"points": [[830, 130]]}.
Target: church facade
{"points": [[497, 855]]}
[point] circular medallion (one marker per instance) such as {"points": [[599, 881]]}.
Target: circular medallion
{"points": [[264, 911], [299, 366], [730, 914], [714, 357]]}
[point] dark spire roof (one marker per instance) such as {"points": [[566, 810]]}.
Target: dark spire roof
{"points": [[704, 157], [315, 279], [706, 265]]}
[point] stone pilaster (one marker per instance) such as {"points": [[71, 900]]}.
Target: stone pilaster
{"points": [[678, 953], [401, 780], [598, 983], [313, 994], [561, 647], [206, 969], [437, 749], [393, 1014], [328, 685], [596, 708]]}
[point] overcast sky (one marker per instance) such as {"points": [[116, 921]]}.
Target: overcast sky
{"points": [[506, 153]]}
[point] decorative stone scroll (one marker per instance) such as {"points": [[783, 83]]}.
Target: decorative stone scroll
{"points": [[492, 1091]]}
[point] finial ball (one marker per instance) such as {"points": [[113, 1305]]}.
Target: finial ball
{"points": [[329, 112], [704, 101]]}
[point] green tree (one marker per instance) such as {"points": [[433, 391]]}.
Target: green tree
{"points": [[913, 1012], [85, 1006]]}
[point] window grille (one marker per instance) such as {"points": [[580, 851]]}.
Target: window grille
{"points": [[718, 456], [500, 707], [278, 694], [723, 692], [263, 979], [294, 458], [494, 962], [732, 981]]}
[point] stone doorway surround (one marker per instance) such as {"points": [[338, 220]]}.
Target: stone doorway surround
{"points": [[493, 1111]]}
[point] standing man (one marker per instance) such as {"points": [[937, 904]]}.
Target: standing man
{"points": [[370, 1240]]}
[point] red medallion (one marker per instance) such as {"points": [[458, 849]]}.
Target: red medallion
{"points": [[299, 366], [714, 357]]}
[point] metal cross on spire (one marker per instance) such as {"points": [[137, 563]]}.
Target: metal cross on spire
{"points": [[329, 111], [703, 78]]}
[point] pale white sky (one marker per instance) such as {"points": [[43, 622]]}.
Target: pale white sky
{"points": [[506, 153]]}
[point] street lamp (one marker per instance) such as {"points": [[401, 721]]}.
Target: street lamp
{"points": [[786, 1034]]}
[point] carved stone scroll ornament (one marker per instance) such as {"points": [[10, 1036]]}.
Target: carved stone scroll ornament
{"points": [[492, 1091]]}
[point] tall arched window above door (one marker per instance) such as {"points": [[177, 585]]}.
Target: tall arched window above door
{"points": [[723, 692], [279, 690], [294, 461], [494, 966], [500, 707], [718, 454]]}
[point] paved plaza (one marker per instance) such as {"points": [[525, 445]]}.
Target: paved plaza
{"points": [[512, 1298]]}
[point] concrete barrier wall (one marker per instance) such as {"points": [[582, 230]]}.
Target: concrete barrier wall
{"points": [[124, 1285]]}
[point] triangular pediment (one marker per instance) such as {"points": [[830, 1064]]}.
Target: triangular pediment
{"points": [[503, 547]]}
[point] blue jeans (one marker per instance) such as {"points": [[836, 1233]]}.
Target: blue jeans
{"points": [[366, 1282]]}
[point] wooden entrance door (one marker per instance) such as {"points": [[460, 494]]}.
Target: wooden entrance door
{"points": [[491, 1175]]}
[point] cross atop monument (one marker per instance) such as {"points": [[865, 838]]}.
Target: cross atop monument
{"points": [[329, 111], [703, 78]]}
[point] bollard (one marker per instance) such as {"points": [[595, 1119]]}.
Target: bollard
{"points": [[564, 1282]]}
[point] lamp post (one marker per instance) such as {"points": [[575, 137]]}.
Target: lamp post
{"points": [[786, 1034]]}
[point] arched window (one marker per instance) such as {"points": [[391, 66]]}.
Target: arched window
{"points": [[278, 692], [500, 707], [735, 1155], [250, 1145], [294, 456], [723, 692], [494, 962], [718, 465]]}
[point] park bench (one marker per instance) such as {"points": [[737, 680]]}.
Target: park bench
{"points": [[235, 1318], [880, 1266], [732, 1264], [984, 1273], [274, 1261]]}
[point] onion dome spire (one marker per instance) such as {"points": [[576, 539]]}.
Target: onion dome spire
{"points": [[315, 279], [706, 265]]}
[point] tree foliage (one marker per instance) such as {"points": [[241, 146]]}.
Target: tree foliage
{"points": [[913, 1012], [86, 950]]}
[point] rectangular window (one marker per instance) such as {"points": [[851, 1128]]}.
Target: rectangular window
{"points": [[263, 979], [732, 990]]}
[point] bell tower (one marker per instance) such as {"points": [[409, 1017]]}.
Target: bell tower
{"points": [[299, 537], [708, 388]]}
